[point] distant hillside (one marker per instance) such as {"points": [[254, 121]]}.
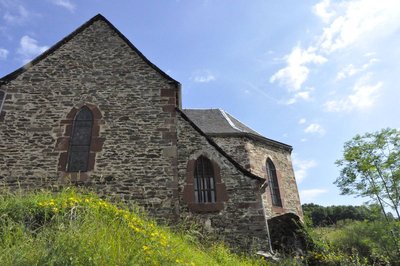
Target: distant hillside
{"points": [[71, 228]]}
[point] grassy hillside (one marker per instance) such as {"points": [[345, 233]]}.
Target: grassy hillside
{"points": [[71, 228]]}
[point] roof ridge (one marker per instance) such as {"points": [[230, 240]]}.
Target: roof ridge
{"points": [[224, 114], [11, 76], [218, 148], [244, 124]]}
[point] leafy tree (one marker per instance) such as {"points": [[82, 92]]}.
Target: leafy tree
{"points": [[370, 167], [330, 215]]}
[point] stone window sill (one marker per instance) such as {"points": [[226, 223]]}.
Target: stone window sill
{"points": [[278, 209]]}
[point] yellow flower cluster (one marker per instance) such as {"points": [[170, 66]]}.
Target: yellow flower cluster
{"points": [[154, 238]]}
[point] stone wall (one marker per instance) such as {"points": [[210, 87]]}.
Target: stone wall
{"points": [[241, 222], [236, 148], [137, 109], [259, 152], [253, 155]]}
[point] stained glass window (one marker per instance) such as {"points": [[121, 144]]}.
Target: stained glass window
{"points": [[79, 147], [273, 184], [204, 181]]}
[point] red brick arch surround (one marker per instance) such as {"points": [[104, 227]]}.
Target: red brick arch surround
{"points": [[189, 195], [62, 143]]}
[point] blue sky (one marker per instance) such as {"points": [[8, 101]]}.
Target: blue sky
{"points": [[308, 73]]}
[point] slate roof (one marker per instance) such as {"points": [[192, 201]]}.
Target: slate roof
{"points": [[216, 122], [218, 148]]}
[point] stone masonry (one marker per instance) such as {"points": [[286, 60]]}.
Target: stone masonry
{"points": [[143, 147], [137, 106], [242, 213], [257, 153]]}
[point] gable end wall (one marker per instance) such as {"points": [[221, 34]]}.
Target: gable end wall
{"points": [[137, 104]]}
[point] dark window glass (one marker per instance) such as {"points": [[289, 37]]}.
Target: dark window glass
{"points": [[204, 181], [2, 99], [79, 146], [273, 184]]}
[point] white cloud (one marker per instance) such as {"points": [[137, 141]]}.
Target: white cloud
{"points": [[304, 95], [356, 19], [347, 23], [302, 121], [363, 97], [29, 48], [308, 195], [16, 15], [203, 76], [296, 72], [67, 4], [315, 128], [347, 71], [351, 70], [321, 10], [3, 53], [301, 167]]}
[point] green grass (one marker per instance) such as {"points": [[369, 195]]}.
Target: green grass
{"points": [[364, 242], [72, 228]]}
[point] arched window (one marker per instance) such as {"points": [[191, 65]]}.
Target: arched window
{"points": [[273, 184], [204, 181], [79, 145], [2, 99]]}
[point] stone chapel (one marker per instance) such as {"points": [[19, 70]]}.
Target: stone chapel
{"points": [[94, 110]]}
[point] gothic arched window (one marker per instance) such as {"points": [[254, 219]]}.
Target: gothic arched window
{"points": [[204, 181], [273, 184], [79, 145]]}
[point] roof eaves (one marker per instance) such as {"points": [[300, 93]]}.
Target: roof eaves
{"points": [[11, 76], [218, 148]]}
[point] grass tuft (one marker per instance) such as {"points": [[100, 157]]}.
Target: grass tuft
{"points": [[73, 228]]}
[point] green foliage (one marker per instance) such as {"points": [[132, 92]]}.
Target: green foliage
{"points": [[330, 215], [370, 167], [322, 251], [370, 241], [71, 228]]}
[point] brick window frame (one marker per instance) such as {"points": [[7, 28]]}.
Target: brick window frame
{"points": [[189, 191], [63, 143]]}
